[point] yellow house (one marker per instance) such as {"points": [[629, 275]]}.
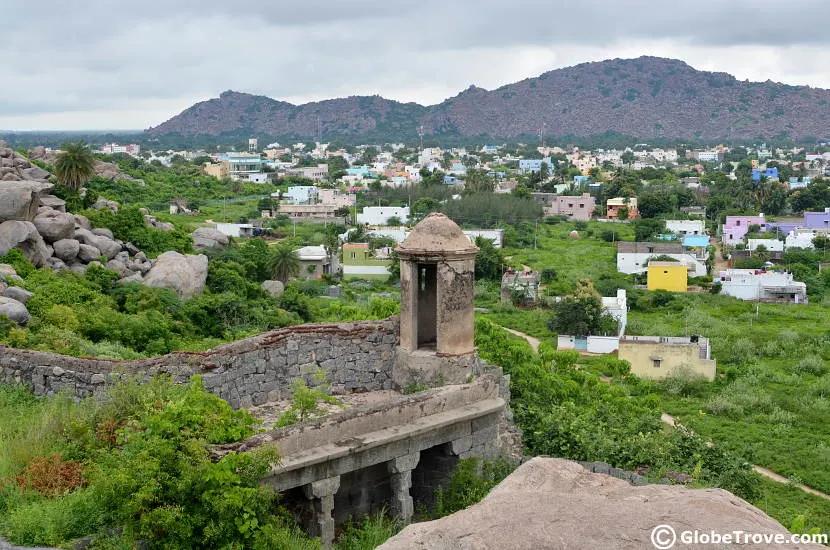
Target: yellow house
{"points": [[657, 356], [673, 276]]}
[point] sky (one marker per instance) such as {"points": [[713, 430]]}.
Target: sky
{"points": [[98, 64]]}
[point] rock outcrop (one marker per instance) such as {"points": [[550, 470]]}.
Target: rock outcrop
{"points": [[273, 288], [23, 235], [16, 167], [206, 238], [185, 274], [54, 226], [552, 503], [19, 200]]}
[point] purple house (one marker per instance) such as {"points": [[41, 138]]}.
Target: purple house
{"points": [[817, 220], [736, 227]]}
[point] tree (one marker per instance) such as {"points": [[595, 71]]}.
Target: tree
{"points": [[762, 253], [394, 221], [477, 181], [75, 165], [343, 212], [581, 313], [331, 242], [627, 158], [284, 263], [622, 213], [489, 260]]}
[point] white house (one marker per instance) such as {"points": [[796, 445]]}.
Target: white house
{"points": [[634, 257], [803, 238], [377, 215], [750, 284], [617, 307], [686, 227], [301, 194], [235, 229], [494, 235], [772, 245]]}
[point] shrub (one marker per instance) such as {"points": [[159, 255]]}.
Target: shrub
{"points": [[18, 261], [685, 382], [472, 479], [52, 476], [811, 365]]}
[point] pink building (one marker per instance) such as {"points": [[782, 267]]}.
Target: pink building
{"points": [[736, 227], [577, 208], [335, 197]]}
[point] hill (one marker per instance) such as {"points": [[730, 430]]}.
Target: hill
{"points": [[647, 97]]}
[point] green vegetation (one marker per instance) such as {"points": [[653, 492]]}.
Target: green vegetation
{"points": [[75, 165], [138, 462]]}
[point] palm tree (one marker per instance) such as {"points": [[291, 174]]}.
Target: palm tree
{"points": [[284, 263], [75, 165]]}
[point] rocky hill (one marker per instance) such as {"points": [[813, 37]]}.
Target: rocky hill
{"points": [[646, 97]]}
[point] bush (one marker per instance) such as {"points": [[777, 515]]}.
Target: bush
{"points": [[472, 479], [811, 365], [685, 382]]}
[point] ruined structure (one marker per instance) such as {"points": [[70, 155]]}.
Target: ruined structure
{"points": [[391, 453]]}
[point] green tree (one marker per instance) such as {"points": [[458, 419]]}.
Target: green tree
{"points": [[581, 313], [394, 221], [627, 158], [284, 263], [75, 165], [489, 260]]}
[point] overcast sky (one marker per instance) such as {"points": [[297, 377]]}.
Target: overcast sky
{"points": [[98, 64]]}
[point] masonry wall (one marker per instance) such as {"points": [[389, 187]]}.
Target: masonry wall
{"points": [[355, 356]]}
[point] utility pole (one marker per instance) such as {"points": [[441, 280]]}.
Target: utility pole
{"points": [[535, 233]]}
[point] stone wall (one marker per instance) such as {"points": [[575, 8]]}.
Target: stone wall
{"points": [[355, 356]]}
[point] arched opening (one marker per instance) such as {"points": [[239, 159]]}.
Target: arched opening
{"points": [[433, 472], [427, 297]]}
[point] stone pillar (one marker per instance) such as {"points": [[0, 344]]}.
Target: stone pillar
{"points": [[401, 481], [321, 493]]}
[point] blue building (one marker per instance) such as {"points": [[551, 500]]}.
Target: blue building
{"points": [[579, 180], [769, 173], [534, 165]]}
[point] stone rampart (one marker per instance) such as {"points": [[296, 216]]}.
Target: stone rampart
{"points": [[355, 356]]}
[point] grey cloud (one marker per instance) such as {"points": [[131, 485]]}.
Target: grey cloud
{"points": [[92, 55]]}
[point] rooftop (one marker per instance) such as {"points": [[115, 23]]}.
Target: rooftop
{"points": [[437, 234]]}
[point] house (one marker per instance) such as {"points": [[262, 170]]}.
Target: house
{"points": [[315, 173], [686, 227], [360, 263], [132, 149], [764, 286], [496, 236], [803, 238], [220, 170], [534, 165], [634, 257], [736, 227], [236, 229], [768, 173], [525, 282], [617, 307], [578, 208], [671, 276], [655, 357], [505, 186], [771, 245], [699, 242], [336, 198], [301, 194], [241, 165], [613, 207], [817, 220], [315, 262], [378, 215]]}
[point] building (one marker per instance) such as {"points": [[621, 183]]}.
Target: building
{"points": [[496, 236], [218, 170], [817, 220], [736, 228], [307, 211], [764, 286], [686, 227], [634, 257], [617, 307], [132, 149], [314, 173], [236, 229], [708, 156], [379, 215], [360, 263], [336, 197], [613, 207], [241, 165], [253, 145], [534, 165], [525, 282], [655, 357], [300, 194], [579, 208], [315, 262], [771, 245], [803, 238], [671, 276], [768, 173]]}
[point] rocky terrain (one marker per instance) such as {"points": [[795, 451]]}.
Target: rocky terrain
{"points": [[36, 222], [646, 97], [106, 170], [552, 503]]}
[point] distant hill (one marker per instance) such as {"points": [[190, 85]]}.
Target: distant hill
{"points": [[647, 97]]}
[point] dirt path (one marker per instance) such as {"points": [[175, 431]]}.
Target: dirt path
{"points": [[669, 420], [719, 263], [534, 342]]}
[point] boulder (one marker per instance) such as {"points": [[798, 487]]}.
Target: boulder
{"points": [[16, 293], [102, 204], [88, 253], [185, 274], [131, 248], [23, 235], [9, 273], [555, 503], [66, 249], [121, 264], [206, 238], [105, 245], [82, 222], [274, 288], [78, 267], [14, 310], [164, 226], [35, 173], [53, 202], [103, 232], [19, 200], [54, 226], [133, 278], [56, 264]]}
